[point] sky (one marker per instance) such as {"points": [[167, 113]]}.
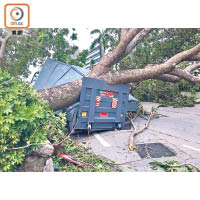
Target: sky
{"points": [[84, 38]]}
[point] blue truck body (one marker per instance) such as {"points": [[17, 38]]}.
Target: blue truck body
{"points": [[87, 113]]}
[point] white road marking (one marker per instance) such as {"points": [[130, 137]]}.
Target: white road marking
{"points": [[193, 148], [102, 141]]}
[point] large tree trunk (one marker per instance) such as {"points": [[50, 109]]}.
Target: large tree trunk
{"points": [[66, 94]]}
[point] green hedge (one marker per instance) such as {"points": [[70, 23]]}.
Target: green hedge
{"points": [[24, 119], [165, 93]]}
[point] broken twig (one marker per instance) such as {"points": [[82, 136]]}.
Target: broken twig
{"points": [[135, 132]]}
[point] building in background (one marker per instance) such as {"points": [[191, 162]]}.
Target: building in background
{"points": [[93, 57]]}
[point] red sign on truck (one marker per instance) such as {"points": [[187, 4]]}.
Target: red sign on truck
{"points": [[106, 93]]}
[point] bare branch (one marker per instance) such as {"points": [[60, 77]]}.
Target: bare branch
{"points": [[26, 146], [112, 57], [66, 94], [168, 78], [195, 57], [173, 78], [135, 132], [178, 74], [185, 75], [123, 32], [191, 68], [137, 39], [134, 75]]}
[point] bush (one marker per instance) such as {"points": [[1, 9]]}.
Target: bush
{"points": [[23, 120], [167, 94]]}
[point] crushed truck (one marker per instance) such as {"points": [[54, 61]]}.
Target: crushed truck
{"points": [[99, 107]]}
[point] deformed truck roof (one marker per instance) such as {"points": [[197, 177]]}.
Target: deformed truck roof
{"points": [[54, 73]]}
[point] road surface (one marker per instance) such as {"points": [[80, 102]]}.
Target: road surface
{"points": [[179, 131]]}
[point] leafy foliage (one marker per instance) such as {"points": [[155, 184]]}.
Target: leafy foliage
{"points": [[173, 166], [167, 94], [22, 121], [91, 162], [161, 44], [107, 39], [25, 120], [34, 46], [156, 48], [80, 59]]}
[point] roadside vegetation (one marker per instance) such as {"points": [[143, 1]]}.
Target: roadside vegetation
{"points": [[166, 94], [26, 122]]}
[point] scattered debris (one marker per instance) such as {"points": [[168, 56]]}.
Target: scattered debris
{"points": [[174, 166], [71, 158], [132, 145]]}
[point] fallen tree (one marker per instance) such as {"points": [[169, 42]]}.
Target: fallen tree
{"points": [[170, 70], [66, 94]]}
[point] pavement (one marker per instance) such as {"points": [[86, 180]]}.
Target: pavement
{"points": [[177, 128]]}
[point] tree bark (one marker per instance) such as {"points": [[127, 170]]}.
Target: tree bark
{"points": [[112, 57], [3, 43], [62, 95], [66, 94], [135, 75], [102, 51]]}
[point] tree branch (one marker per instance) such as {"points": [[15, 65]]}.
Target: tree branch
{"points": [[112, 57], [134, 75], [62, 95], [66, 94], [173, 78], [185, 75], [123, 32], [3, 48], [137, 39], [168, 78], [191, 68], [195, 57], [26, 146], [135, 132]]}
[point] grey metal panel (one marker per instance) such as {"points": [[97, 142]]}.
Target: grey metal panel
{"points": [[100, 84], [132, 104], [90, 89], [131, 98], [92, 105], [69, 77], [71, 115], [55, 73]]}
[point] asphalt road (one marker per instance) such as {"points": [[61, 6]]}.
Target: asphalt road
{"points": [[178, 130]]}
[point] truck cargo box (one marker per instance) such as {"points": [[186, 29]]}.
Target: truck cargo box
{"points": [[101, 106]]}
